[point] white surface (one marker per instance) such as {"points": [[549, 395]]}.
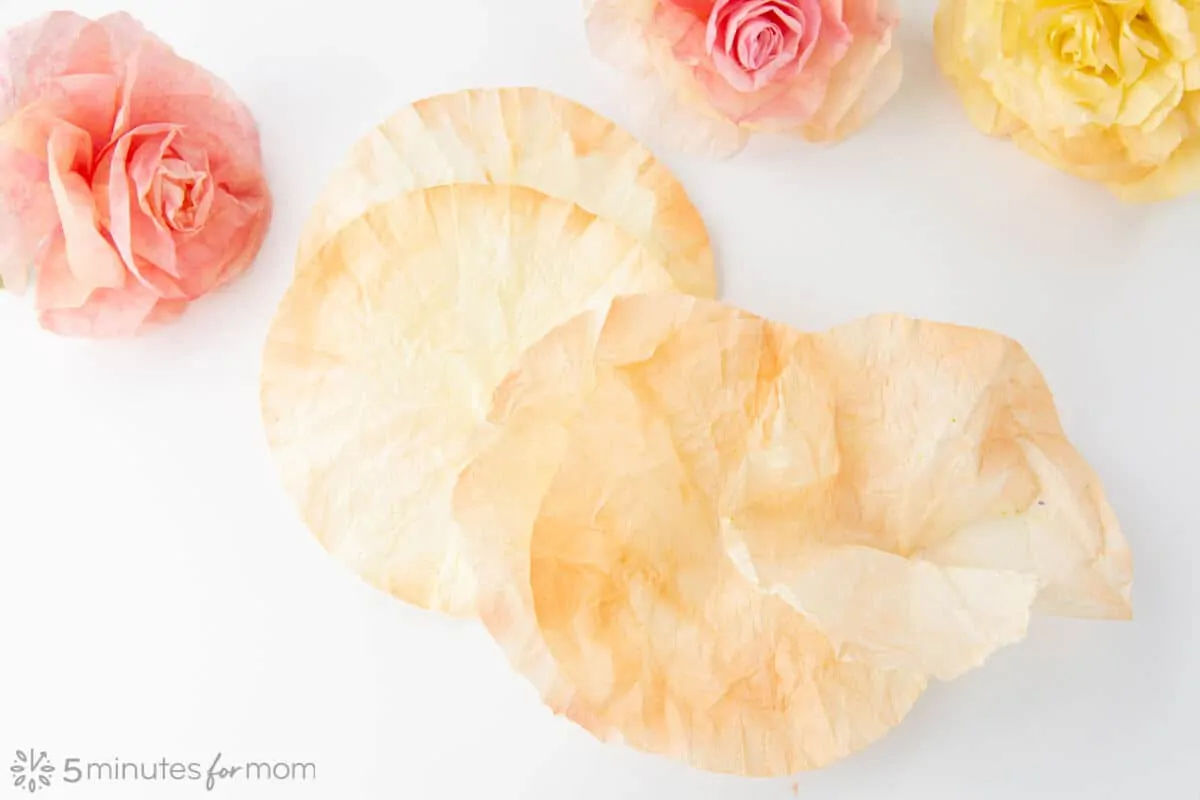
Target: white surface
{"points": [[160, 599]]}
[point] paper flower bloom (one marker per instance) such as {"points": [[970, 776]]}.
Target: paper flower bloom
{"points": [[748, 547], [131, 181], [719, 70], [1107, 91]]}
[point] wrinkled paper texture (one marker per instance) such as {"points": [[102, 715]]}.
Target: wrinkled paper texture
{"points": [[522, 137], [724, 540], [382, 359]]}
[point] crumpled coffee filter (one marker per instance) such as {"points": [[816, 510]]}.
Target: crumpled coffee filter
{"points": [[383, 356], [522, 137], [724, 540]]}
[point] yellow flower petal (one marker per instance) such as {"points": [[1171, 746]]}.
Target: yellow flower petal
{"points": [[1095, 154], [1191, 74], [1151, 147], [984, 110], [1149, 101], [1171, 20], [1179, 176]]}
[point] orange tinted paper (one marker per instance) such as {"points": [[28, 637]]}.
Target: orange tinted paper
{"points": [[382, 359], [747, 547], [523, 137]]}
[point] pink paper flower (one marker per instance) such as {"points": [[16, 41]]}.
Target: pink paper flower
{"points": [[720, 70], [131, 180]]}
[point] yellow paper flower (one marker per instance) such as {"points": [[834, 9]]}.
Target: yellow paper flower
{"points": [[1108, 90]]}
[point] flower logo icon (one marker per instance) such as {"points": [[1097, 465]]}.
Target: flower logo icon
{"points": [[31, 770]]}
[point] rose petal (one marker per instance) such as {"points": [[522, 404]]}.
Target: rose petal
{"points": [[732, 73], [814, 29], [34, 55], [72, 308], [90, 256], [729, 17], [1095, 153], [734, 22], [700, 9], [683, 114], [225, 246], [982, 107], [88, 102], [107, 313], [28, 215], [57, 286], [165, 311], [863, 81], [118, 197], [1180, 175], [746, 107], [162, 86]]}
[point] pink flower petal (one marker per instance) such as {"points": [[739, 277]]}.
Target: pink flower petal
{"points": [[164, 311], [759, 42], [90, 256], [121, 217], [882, 83], [39, 52], [86, 101], [682, 31], [107, 313], [727, 67], [227, 244], [733, 103], [700, 9], [114, 189], [28, 215], [754, 43], [859, 87], [814, 28], [868, 17], [162, 87], [57, 286], [726, 19]]}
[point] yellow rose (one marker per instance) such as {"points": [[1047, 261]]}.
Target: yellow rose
{"points": [[1108, 90]]}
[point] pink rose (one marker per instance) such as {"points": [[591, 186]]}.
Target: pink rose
{"points": [[131, 180], [728, 68], [754, 44]]}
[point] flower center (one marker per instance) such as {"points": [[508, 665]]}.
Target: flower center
{"points": [[181, 196], [759, 43], [1080, 40], [1112, 42]]}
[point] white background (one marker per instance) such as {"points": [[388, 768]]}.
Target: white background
{"points": [[160, 598]]}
